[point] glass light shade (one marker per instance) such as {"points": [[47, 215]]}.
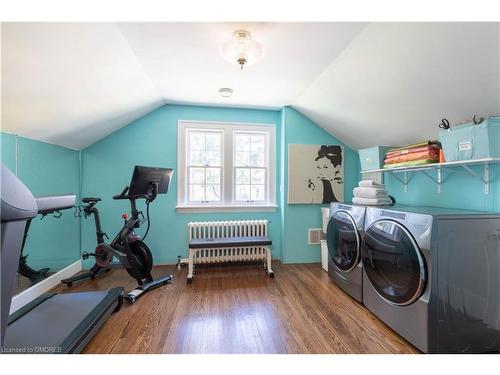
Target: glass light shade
{"points": [[225, 92], [242, 49]]}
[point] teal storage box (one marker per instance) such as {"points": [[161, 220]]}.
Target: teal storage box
{"points": [[471, 142], [373, 157]]}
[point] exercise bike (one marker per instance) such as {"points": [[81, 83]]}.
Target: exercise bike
{"points": [[127, 247]]}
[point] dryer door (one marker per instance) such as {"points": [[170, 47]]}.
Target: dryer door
{"points": [[343, 241], [393, 262]]}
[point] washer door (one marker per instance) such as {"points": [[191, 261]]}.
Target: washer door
{"points": [[343, 241], [393, 262]]}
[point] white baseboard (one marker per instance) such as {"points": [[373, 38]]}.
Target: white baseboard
{"points": [[28, 295]]}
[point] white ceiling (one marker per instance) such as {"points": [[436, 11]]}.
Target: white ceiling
{"points": [[72, 84], [184, 60], [395, 82]]}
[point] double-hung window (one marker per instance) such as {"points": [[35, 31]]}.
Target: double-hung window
{"points": [[224, 166], [204, 166], [250, 167]]}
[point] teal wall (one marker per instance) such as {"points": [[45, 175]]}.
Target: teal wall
{"points": [[459, 190], [8, 151], [152, 140], [47, 169], [297, 218], [107, 166]]}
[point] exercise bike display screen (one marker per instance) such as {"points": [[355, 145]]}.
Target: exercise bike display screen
{"points": [[144, 177]]}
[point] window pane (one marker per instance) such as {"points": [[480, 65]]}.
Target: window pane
{"points": [[213, 193], [242, 192], [242, 176], [196, 141], [213, 142], [197, 193], [257, 159], [213, 158], [242, 143], [197, 157], [258, 176], [258, 192], [242, 159], [197, 176], [258, 143], [213, 176]]}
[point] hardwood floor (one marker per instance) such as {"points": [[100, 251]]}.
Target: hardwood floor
{"points": [[237, 309]]}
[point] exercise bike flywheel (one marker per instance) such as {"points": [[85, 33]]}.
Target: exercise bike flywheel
{"points": [[143, 260], [102, 256]]}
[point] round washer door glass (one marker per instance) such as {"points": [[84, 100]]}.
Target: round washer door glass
{"points": [[343, 241], [393, 262]]}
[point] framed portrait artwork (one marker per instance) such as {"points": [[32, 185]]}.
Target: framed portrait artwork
{"points": [[315, 174]]}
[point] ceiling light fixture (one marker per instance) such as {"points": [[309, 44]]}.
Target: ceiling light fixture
{"points": [[242, 50], [226, 92]]}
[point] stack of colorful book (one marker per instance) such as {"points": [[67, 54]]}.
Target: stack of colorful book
{"points": [[413, 155]]}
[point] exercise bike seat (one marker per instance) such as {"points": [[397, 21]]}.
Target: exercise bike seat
{"points": [[90, 200]]}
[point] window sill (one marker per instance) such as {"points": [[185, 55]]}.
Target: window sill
{"points": [[232, 208]]}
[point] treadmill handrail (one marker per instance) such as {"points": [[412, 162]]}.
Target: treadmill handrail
{"points": [[52, 203]]}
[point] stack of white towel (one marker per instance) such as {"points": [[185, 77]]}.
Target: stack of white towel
{"points": [[370, 193]]}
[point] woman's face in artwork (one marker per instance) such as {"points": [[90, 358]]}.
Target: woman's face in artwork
{"points": [[326, 170]]}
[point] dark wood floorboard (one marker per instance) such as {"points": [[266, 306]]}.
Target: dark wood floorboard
{"points": [[237, 309]]}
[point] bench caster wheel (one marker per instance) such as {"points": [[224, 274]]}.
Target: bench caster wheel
{"points": [[189, 280], [130, 298], [271, 275]]}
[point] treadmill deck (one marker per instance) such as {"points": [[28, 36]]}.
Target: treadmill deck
{"points": [[63, 323]]}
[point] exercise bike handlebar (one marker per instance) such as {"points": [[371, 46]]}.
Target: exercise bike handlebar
{"points": [[150, 196], [123, 194]]}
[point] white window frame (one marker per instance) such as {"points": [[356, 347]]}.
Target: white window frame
{"points": [[251, 132], [220, 167], [228, 202]]}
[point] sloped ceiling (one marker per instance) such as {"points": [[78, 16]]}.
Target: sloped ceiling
{"points": [[71, 84], [395, 82], [368, 84]]}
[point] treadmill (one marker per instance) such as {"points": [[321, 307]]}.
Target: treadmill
{"points": [[52, 323]]}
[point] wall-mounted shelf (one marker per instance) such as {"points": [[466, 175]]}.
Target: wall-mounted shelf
{"points": [[434, 171]]}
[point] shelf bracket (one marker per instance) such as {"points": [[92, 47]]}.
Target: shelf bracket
{"points": [[403, 180], [438, 179], [485, 179]]}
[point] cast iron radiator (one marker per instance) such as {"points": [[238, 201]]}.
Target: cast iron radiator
{"points": [[213, 242]]}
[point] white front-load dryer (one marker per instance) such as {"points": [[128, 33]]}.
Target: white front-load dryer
{"points": [[343, 237]]}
